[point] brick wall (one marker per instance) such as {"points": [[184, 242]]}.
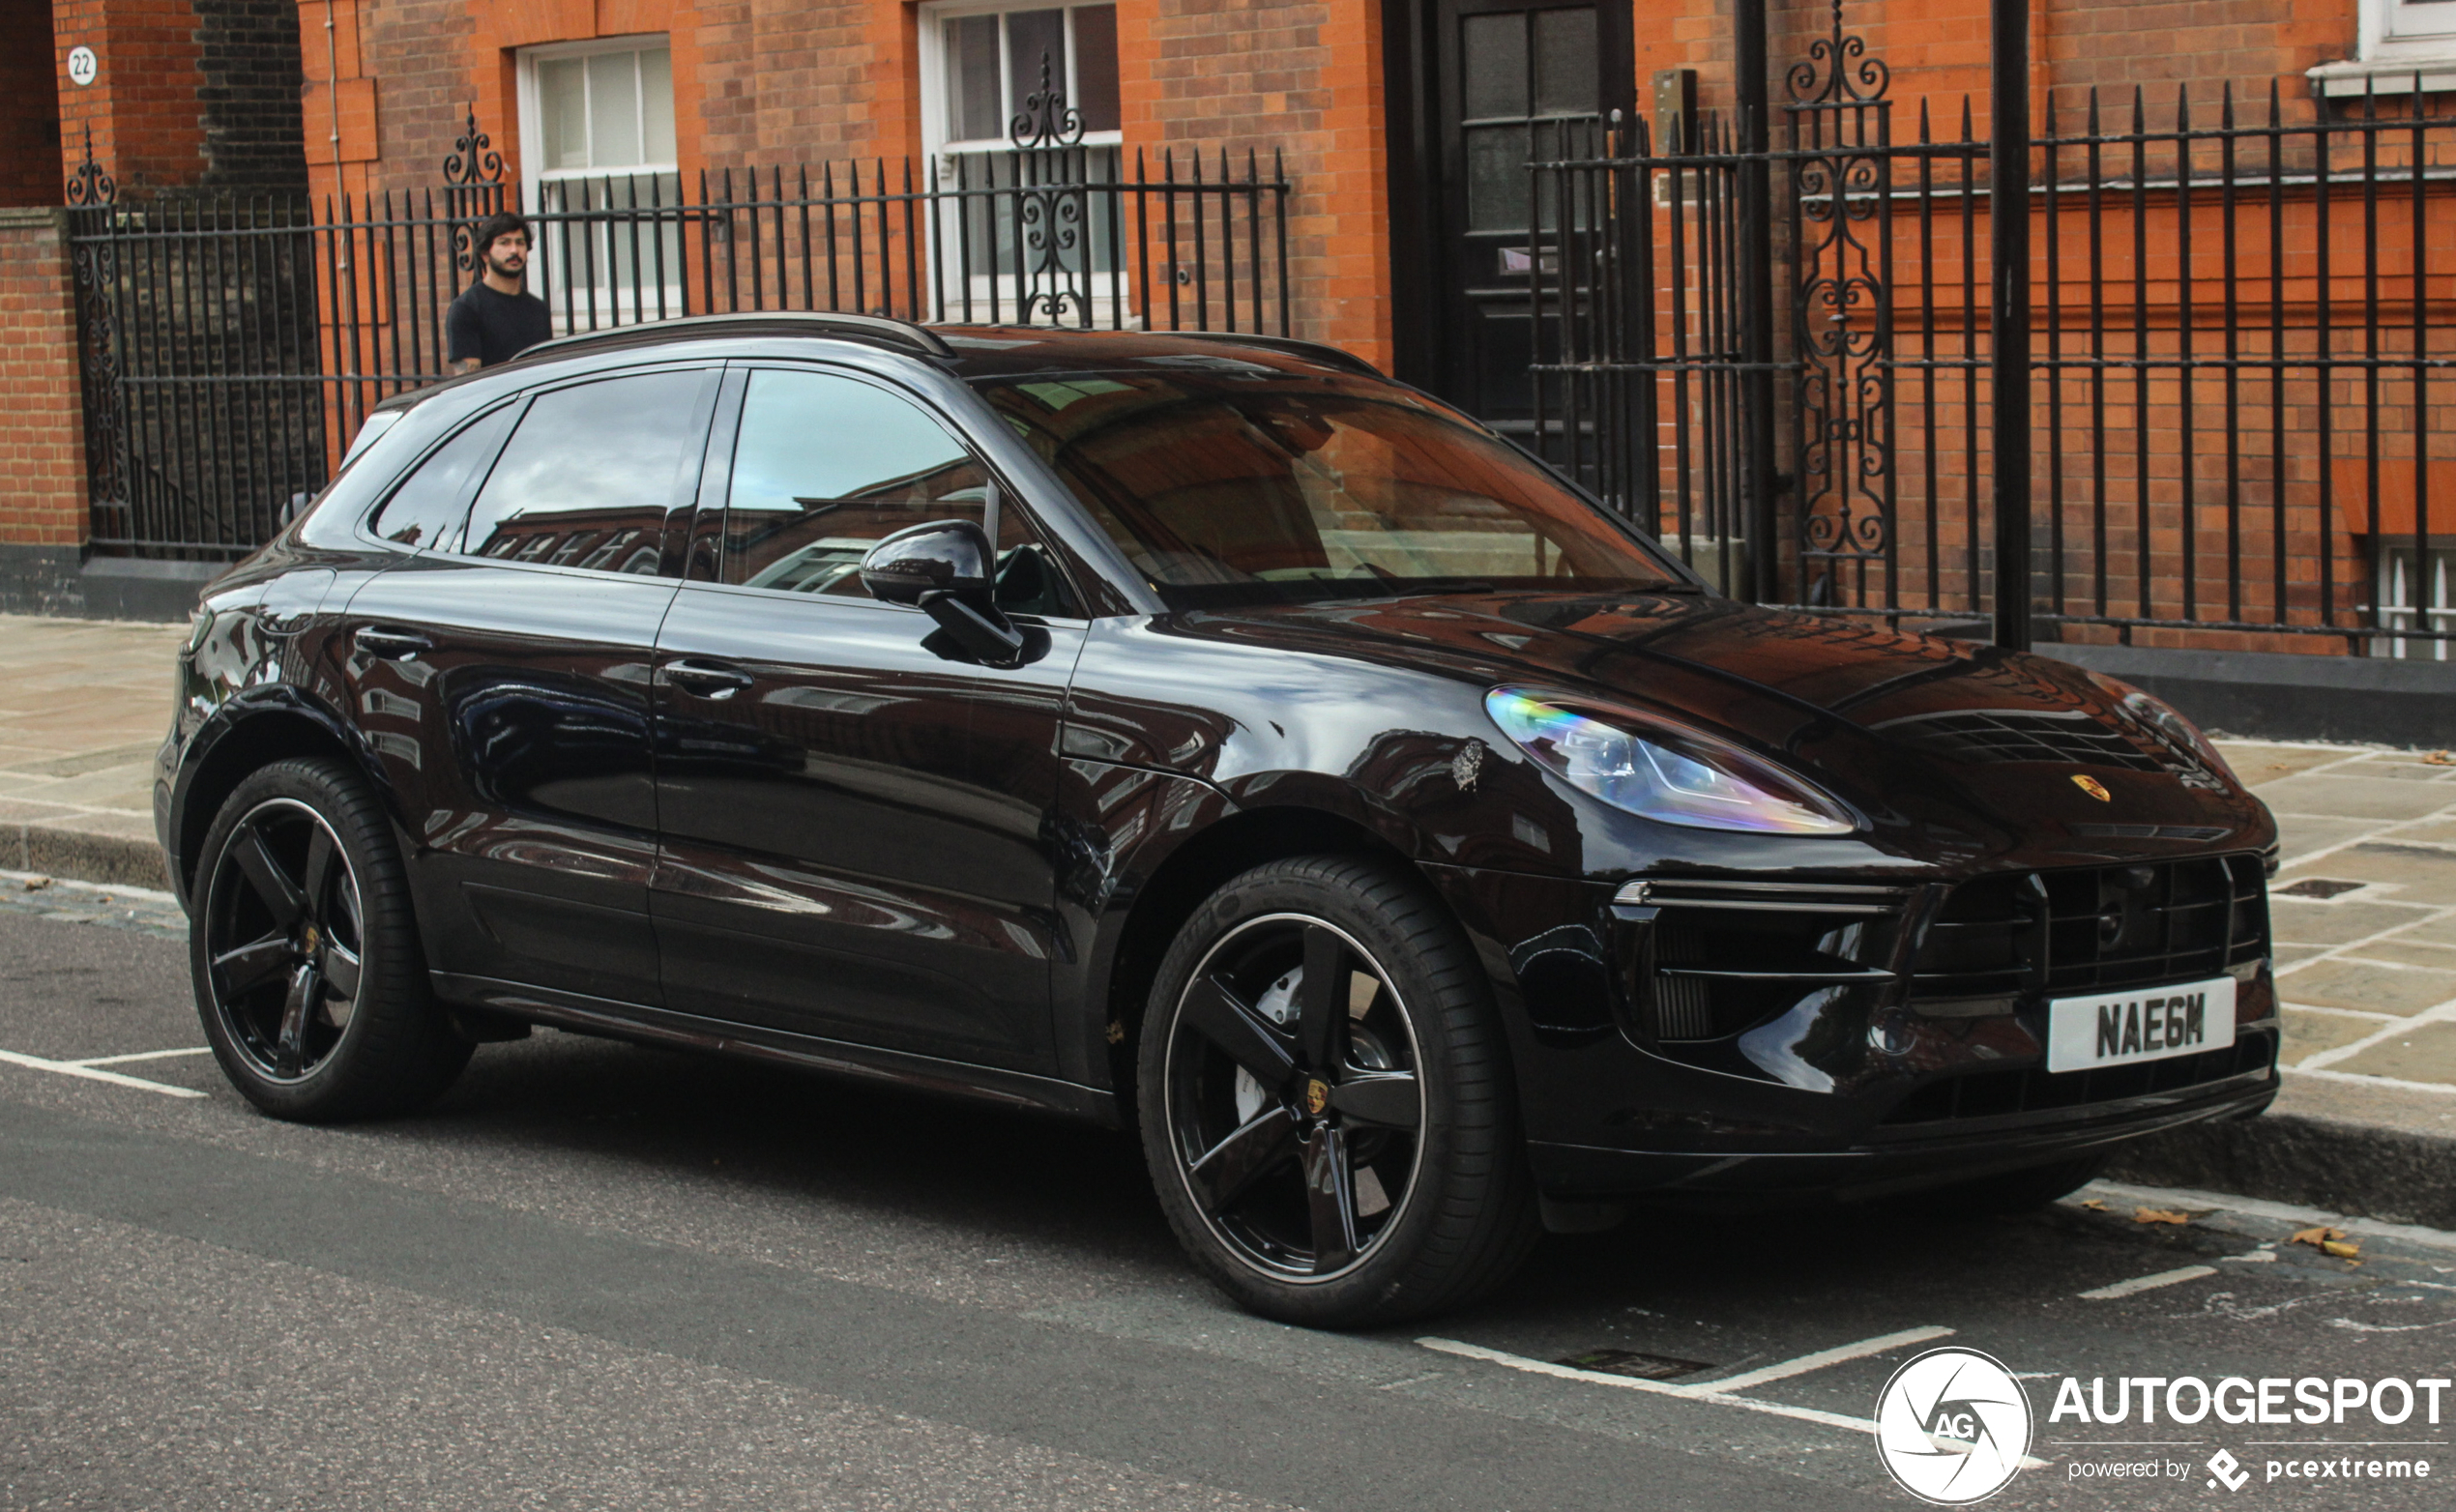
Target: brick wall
{"points": [[142, 109], [1939, 48], [41, 427], [248, 94]]}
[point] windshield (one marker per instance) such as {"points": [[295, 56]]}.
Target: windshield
{"points": [[1256, 486]]}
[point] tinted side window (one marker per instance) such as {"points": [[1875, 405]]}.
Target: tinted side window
{"points": [[825, 466], [427, 508], [589, 475]]}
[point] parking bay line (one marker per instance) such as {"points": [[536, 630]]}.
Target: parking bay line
{"points": [[94, 1074], [141, 1055], [1720, 1393], [2150, 1282]]}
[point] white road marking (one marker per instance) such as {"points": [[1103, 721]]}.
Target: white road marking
{"points": [[1818, 1360], [1662, 1388], [141, 1055], [1709, 1392], [89, 1073], [2261, 1207], [2108, 1294]]}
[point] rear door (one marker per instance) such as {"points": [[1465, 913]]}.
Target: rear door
{"points": [[856, 819], [503, 675]]}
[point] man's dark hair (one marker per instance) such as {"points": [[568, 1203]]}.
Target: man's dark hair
{"points": [[503, 222]]}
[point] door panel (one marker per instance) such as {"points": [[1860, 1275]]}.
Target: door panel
{"points": [[853, 817], [508, 696], [854, 841]]}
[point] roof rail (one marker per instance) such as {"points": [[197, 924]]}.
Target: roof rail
{"points": [[875, 328], [1318, 351]]}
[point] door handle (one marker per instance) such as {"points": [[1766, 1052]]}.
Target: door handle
{"points": [[708, 680], [389, 645]]}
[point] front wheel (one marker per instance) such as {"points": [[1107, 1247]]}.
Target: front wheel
{"points": [[1328, 1111]]}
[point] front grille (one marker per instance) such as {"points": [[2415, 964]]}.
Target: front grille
{"points": [[2091, 929], [1986, 1094]]}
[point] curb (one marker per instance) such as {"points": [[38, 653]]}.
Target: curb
{"points": [[81, 855], [2397, 1174]]}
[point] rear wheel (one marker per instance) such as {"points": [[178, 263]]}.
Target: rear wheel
{"points": [[308, 976], [1326, 1105]]}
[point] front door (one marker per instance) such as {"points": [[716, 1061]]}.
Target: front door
{"points": [[1510, 81], [856, 819]]}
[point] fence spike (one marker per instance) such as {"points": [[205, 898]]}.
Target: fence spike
{"points": [[2272, 104]]}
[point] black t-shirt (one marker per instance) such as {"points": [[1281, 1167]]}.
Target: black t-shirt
{"points": [[494, 327]]}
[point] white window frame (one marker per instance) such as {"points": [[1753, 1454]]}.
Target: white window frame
{"points": [[618, 305], [2400, 29], [942, 152]]}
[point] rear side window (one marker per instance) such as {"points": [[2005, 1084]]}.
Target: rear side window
{"points": [[426, 509], [592, 471], [825, 466]]}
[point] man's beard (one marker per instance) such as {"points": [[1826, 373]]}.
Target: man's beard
{"points": [[502, 272]]}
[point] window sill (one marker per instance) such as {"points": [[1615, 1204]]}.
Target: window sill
{"points": [[2386, 77]]}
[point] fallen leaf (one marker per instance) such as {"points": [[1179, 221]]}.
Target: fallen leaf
{"points": [[2158, 1215], [2097, 1203], [2438, 759], [37, 884], [2341, 1249], [2318, 1235]]}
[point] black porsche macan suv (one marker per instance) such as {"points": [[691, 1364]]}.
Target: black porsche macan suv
{"points": [[1206, 736]]}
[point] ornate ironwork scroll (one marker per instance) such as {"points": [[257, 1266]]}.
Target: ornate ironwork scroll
{"points": [[473, 189], [1841, 179], [93, 197], [1050, 204]]}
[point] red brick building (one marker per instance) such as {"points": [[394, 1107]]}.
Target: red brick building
{"points": [[1403, 124]]}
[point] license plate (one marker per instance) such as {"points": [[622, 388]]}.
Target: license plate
{"points": [[2145, 1024]]}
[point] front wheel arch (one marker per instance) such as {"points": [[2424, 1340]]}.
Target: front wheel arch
{"points": [[1230, 846]]}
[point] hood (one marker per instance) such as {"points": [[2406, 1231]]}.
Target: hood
{"points": [[1938, 735]]}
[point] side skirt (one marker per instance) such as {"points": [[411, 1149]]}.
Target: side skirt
{"points": [[663, 1026]]}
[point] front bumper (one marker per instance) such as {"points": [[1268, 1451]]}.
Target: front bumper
{"points": [[1572, 1171], [1855, 1091]]}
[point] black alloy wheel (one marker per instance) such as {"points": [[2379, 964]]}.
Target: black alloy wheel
{"points": [[1293, 1098], [305, 953], [286, 939], [1327, 1109]]}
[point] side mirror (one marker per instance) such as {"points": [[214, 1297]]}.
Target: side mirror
{"points": [[945, 570]]}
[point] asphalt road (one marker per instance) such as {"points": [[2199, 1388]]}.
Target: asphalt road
{"points": [[602, 1275]]}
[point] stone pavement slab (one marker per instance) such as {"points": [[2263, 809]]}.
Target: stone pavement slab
{"points": [[83, 705], [2368, 973]]}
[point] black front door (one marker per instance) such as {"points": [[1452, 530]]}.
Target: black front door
{"points": [[1510, 81], [854, 817]]}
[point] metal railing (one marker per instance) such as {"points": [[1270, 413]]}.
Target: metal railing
{"points": [[2243, 325], [232, 348]]}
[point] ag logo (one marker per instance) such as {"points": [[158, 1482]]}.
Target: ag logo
{"points": [[2092, 787], [1953, 1425]]}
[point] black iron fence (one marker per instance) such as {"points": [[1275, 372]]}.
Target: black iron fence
{"points": [[233, 348], [2244, 321]]}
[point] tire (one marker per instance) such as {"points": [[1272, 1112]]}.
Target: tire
{"points": [[2015, 1191], [1341, 1159], [305, 953]]}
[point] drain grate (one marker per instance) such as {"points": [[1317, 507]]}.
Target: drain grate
{"points": [[2321, 887], [1629, 1363]]}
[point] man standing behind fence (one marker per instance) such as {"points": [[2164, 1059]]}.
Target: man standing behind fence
{"points": [[495, 319]]}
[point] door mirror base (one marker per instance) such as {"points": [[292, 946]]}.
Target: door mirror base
{"points": [[980, 633]]}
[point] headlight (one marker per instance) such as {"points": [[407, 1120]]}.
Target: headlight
{"points": [[1675, 776], [2169, 727]]}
